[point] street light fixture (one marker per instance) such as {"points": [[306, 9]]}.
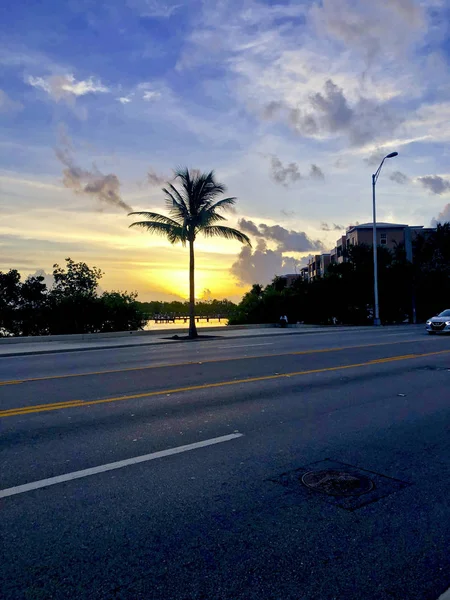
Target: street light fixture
{"points": [[376, 317]]}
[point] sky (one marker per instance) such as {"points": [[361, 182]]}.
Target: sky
{"points": [[293, 104]]}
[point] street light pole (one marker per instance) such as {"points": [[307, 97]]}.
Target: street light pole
{"points": [[376, 311]]}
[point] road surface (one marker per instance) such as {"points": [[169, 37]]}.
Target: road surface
{"points": [[175, 472]]}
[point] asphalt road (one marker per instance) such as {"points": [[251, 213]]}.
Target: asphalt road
{"points": [[214, 508]]}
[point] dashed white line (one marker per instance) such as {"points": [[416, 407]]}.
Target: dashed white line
{"points": [[35, 485]]}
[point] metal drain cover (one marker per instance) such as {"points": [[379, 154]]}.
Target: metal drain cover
{"points": [[337, 483]]}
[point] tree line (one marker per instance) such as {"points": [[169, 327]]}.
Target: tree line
{"points": [[345, 293], [203, 308], [72, 305]]}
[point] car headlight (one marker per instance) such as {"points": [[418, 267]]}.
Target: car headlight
{"points": [[428, 322], [447, 322]]}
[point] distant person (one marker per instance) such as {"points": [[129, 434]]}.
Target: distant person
{"points": [[283, 321]]}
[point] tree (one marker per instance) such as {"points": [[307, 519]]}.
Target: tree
{"points": [[9, 298], [193, 209], [121, 312], [33, 310], [431, 269], [78, 279], [75, 306]]}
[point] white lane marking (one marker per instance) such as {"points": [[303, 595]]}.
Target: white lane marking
{"points": [[35, 485], [244, 346]]}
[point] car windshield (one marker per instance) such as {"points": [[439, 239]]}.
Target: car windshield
{"points": [[446, 313]]}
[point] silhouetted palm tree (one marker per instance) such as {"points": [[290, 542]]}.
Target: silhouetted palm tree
{"points": [[193, 209]]}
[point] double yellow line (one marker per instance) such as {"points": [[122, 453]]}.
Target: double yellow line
{"points": [[25, 410], [203, 362]]}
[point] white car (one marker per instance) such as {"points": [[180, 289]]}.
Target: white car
{"points": [[440, 323]]}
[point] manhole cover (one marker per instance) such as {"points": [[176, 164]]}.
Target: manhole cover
{"points": [[337, 483]]}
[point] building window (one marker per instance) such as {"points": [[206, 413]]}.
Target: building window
{"points": [[383, 239]]}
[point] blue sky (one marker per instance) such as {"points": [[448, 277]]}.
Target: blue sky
{"points": [[292, 103]]}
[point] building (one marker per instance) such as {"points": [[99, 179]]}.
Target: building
{"points": [[337, 254], [389, 235], [290, 278], [313, 267], [318, 265]]}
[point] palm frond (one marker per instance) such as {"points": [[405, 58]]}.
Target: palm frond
{"points": [[178, 196], [206, 218], [208, 189], [158, 218], [226, 203], [173, 233], [175, 203], [200, 189], [226, 232]]}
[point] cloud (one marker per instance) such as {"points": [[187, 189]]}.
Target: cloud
{"points": [[286, 240], [321, 87], [261, 265], [443, 217], [66, 87], [330, 113], [151, 95], [399, 177], [284, 174], [290, 173], [371, 29], [289, 240], [7, 105], [271, 110], [288, 213], [249, 227], [104, 188], [333, 227], [155, 9], [341, 163], [374, 159], [316, 172], [435, 184], [154, 178], [124, 99], [48, 277]]}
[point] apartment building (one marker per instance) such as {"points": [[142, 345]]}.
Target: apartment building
{"points": [[388, 234], [317, 266]]}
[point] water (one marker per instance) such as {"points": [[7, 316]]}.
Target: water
{"points": [[180, 324]]}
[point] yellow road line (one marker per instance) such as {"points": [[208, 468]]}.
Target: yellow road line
{"points": [[12, 412], [203, 362]]}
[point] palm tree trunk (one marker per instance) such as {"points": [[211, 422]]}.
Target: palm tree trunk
{"points": [[192, 327]]}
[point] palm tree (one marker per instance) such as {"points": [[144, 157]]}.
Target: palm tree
{"points": [[193, 209]]}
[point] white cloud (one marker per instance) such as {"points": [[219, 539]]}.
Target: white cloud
{"points": [[331, 70], [66, 87], [124, 99], [385, 27], [154, 8], [443, 217], [262, 265], [151, 95]]}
